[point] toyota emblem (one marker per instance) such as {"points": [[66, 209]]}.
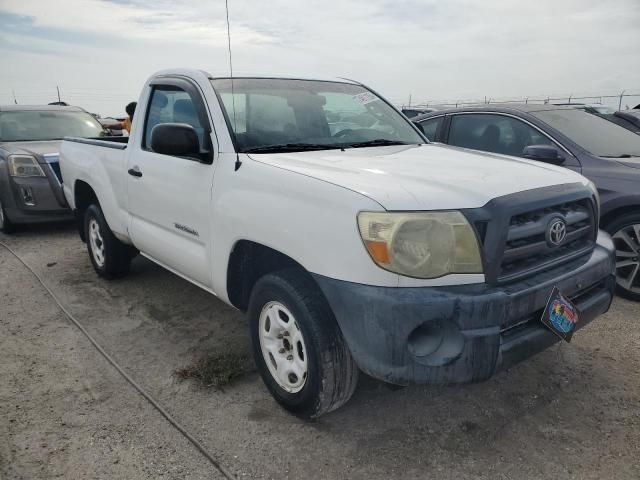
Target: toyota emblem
{"points": [[557, 232]]}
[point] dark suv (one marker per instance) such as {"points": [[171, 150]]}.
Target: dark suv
{"points": [[30, 179], [604, 152]]}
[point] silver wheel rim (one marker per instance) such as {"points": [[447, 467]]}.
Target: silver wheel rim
{"points": [[283, 347], [96, 242], [627, 241]]}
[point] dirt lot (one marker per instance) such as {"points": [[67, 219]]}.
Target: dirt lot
{"points": [[571, 412]]}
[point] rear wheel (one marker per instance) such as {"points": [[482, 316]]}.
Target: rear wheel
{"points": [[297, 345], [6, 226], [109, 256], [625, 232]]}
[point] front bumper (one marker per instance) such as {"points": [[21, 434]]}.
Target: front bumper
{"points": [[34, 200], [477, 329]]}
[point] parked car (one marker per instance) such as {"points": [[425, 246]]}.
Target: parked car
{"points": [[603, 152], [30, 181], [363, 249], [608, 113]]}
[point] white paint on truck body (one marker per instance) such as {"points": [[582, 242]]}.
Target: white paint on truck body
{"points": [[303, 204]]}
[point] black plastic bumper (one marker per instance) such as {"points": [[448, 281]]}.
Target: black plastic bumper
{"points": [[47, 203], [477, 329]]}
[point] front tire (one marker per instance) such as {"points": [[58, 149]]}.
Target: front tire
{"points": [[625, 232], [6, 225], [109, 256], [298, 347]]}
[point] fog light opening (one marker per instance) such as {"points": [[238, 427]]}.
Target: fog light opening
{"points": [[27, 196], [436, 343]]}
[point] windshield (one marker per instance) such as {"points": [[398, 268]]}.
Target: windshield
{"points": [[294, 115], [33, 125], [596, 135]]}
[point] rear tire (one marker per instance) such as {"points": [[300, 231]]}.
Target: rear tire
{"points": [[298, 347], [6, 225], [109, 256], [625, 231]]}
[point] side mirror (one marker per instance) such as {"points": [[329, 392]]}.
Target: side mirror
{"points": [[419, 126], [176, 139], [543, 153]]}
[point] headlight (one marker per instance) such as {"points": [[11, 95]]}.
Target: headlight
{"points": [[596, 196], [421, 245], [24, 166]]}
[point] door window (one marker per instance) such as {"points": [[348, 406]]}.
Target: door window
{"points": [[431, 127], [171, 104], [494, 133]]}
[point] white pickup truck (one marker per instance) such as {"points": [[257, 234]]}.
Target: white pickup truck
{"points": [[350, 241]]}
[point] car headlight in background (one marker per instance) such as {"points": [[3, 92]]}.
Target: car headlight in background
{"points": [[24, 166], [596, 196], [421, 244]]}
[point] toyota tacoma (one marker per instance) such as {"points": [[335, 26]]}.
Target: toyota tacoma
{"points": [[350, 241]]}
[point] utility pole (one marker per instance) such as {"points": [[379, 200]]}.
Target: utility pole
{"points": [[409, 100], [58, 88], [620, 103], [15, 100]]}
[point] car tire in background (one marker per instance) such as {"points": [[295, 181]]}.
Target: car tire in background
{"points": [[625, 231], [109, 256], [298, 347], [6, 226]]}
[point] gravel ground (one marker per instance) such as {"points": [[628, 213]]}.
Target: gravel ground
{"points": [[570, 412]]}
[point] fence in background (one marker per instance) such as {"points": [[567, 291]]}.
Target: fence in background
{"points": [[612, 100]]}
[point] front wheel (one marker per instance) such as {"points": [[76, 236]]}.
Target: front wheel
{"points": [[297, 345], [625, 232], [109, 256]]}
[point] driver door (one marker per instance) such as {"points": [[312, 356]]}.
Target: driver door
{"points": [[169, 196]]}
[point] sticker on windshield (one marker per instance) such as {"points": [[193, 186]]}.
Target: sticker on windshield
{"points": [[365, 97]]}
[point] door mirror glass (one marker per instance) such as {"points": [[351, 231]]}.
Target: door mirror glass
{"points": [[176, 139], [544, 153]]}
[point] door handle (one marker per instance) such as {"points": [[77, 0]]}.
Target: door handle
{"points": [[135, 172]]}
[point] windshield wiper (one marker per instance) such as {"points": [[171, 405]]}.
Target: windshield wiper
{"points": [[624, 155], [378, 142], [290, 147]]}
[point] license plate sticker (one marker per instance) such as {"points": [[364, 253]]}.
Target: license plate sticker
{"points": [[560, 315]]}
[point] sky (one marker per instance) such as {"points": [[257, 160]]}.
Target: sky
{"points": [[100, 52]]}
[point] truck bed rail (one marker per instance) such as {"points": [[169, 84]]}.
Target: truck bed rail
{"points": [[119, 143]]}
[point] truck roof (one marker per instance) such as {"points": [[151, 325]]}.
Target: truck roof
{"points": [[24, 108], [191, 72]]}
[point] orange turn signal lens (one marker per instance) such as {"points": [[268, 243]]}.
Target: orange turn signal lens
{"points": [[378, 251]]}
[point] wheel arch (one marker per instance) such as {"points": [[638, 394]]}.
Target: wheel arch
{"points": [[248, 262], [83, 195], [609, 217]]}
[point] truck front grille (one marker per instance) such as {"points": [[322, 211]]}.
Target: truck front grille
{"points": [[529, 246]]}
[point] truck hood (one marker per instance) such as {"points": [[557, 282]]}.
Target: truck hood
{"points": [[423, 177], [50, 148]]}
